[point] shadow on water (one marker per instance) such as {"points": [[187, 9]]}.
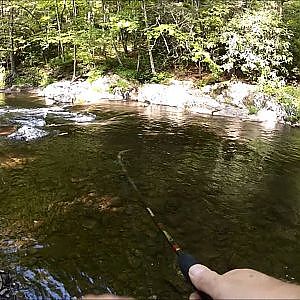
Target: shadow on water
{"points": [[71, 225]]}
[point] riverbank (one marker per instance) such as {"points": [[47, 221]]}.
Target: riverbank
{"points": [[235, 99]]}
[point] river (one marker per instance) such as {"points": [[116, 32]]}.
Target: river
{"points": [[227, 190]]}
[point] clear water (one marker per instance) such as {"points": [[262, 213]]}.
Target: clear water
{"points": [[70, 224]]}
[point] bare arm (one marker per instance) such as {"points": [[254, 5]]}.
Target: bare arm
{"points": [[241, 284]]}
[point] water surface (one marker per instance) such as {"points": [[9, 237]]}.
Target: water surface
{"points": [[227, 190]]}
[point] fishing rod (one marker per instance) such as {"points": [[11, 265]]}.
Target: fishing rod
{"points": [[185, 260]]}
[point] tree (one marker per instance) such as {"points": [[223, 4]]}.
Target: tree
{"points": [[72, 36]]}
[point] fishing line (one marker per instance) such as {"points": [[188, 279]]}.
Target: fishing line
{"points": [[185, 260]]}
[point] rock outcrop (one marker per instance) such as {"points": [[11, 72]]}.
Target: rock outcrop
{"points": [[233, 99], [84, 92]]}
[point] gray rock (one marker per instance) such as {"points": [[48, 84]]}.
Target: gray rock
{"points": [[33, 121], [27, 133], [104, 88], [83, 118], [234, 99], [59, 91], [30, 121], [171, 95]]}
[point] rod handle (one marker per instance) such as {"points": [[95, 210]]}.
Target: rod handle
{"points": [[185, 262]]}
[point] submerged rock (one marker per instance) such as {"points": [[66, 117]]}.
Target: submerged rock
{"points": [[82, 118], [77, 117], [27, 133], [30, 121], [27, 124]]}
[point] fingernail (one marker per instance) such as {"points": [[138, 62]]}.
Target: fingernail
{"points": [[196, 270], [194, 296]]}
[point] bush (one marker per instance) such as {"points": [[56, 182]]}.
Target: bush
{"points": [[252, 109], [34, 76], [257, 45], [291, 15], [95, 73], [289, 97], [125, 73], [45, 76], [161, 77], [27, 78]]}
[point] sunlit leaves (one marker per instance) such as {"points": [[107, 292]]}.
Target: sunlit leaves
{"points": [[251, 38], [257, 43]]}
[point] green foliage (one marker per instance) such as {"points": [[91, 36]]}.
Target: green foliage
{"points": [[291, 17], [119, 24], [255, 40], [289, 97], [45, 76], [207, 79], [34, 76], [161, 77], [126, 73], [26, 80], [95, 73], [257, 44], [252, 110], [122, 85]]}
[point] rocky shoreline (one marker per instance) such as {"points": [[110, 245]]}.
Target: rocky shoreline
{"points": [[28, 124], [231, 99]]}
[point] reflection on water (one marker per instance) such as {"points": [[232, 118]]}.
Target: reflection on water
{"points": [[70, 223], [2, 99], [40, 284]]}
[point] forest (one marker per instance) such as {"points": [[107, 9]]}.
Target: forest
{"points": [[83, 176], [42, 41]]}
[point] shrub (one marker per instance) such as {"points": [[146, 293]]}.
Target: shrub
{"points": [[291, 15], [45, 76], [289, 97], [95, 73], [257, 45], [161, 77], [252, 110]]}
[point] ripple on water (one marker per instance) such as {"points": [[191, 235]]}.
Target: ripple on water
{"points": [[227, 190]]}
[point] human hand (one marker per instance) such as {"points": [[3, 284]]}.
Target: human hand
{"points": [[240, 284]]}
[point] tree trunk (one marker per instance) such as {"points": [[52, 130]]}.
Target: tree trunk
{"points": [[124, 38], [117, 52], [74, 44], [58, 21], [12, 56], [199, 69], [151, 60]]}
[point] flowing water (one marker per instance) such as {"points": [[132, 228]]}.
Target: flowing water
{"points": [[70, 223]]}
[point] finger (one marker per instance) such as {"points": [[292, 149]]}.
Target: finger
{"points": [[194, 296], [204, 279]]}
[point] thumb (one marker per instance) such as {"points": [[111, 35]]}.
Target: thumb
{"points": [[204, 279]]}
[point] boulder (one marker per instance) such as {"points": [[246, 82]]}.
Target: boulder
{"points": [[83, 92], [177, 94], [232, 98], [59, 91], [27, 133]]}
